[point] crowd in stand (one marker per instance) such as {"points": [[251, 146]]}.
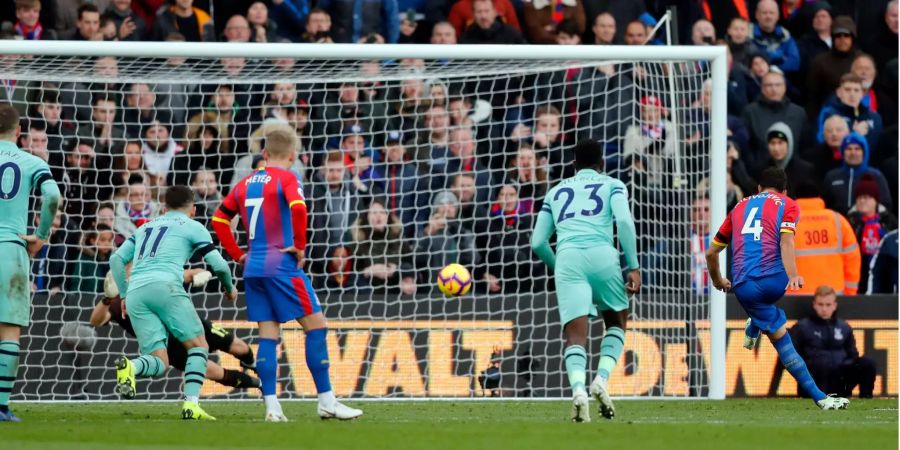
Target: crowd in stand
{"points": [[405, 177]]}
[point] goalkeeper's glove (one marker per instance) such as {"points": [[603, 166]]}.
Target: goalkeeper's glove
{"points": [[110, 290], [201, 278]]}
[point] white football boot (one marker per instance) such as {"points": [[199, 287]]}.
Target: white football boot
{"points": [[275, 416], [600, 392], [833, 402], [749, 342], [338, 411], [580, 407]]}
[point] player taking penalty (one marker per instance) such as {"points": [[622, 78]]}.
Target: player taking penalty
{"points": [[761, 230], [20, 174], [270, 203], [156, 301], [582, 211]]}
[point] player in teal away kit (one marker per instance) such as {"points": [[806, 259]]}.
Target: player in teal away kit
{"points": [[156, 301], [582, 210], [20, 175]]}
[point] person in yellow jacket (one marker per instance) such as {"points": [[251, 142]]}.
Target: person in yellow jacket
{"points": [[827, 250]]}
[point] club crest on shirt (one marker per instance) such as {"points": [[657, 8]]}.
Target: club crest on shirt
{"points": [[838, 334]]}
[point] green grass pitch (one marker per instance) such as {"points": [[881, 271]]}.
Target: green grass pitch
{"points": [[720, 425]]}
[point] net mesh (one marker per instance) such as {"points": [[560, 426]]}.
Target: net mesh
{"points": [[458, 153]]}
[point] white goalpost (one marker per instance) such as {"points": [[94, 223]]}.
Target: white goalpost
{"points": [[456, 144]]}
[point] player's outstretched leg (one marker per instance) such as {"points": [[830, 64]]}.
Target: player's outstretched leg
{"points": [[232, 378], [194, 374], [751, 334], [575, 358], [797, 368], [317, 362], [9, 367]]}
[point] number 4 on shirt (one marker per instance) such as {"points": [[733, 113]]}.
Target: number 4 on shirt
{"points": [[752, 225]]}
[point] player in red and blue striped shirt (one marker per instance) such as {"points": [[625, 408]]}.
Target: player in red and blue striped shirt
{"points": [[760, 230], [270, 203]]}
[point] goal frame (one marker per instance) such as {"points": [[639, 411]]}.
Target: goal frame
{"points": [[715, 55]]}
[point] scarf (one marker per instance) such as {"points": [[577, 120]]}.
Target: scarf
{"points": [[138, 217], [510, 217], [32, 35], [872, 233]]}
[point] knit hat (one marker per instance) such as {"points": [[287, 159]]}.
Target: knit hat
{"points": [[777, 134], [843, 25], [867, 186]]}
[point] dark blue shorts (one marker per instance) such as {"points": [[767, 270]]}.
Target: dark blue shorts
{"points": [[758, 297], [280, 299]]}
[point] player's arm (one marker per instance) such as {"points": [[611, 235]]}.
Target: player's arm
{"points": [[719, 243], [618, 199], [50, 197], [119, 261], [221, 223], [540, 238], [100, 316], [204, 247], [293, 193], [787, 229]]}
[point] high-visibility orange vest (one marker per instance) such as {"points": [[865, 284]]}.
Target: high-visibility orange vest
{"points": [[827, 251]]}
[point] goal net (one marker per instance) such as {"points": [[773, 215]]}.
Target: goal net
{"points": [[411, 158]]}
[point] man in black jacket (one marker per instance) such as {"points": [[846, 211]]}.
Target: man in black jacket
{"points": [[827, 345]]}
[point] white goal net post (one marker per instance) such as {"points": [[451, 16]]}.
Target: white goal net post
{"points": [[457, 144]]}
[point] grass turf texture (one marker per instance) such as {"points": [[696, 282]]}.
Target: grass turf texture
{"points": [[729, 424]]}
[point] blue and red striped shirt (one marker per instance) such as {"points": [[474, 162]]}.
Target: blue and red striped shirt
{"points": [[753, 228], [272, 209]]}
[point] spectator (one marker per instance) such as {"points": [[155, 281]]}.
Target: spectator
{"points": [[129, 164], [505, 242], [290, 17], [621, 12], [339, 274], [781, 155], [700, 237], [818, 40], [157, 150], [703, 33], [237, 29], [756, 71], [129, 25], [462, 159], [828, 347], [360, 160], [443, 240], [653, 139], [202, 152], [772, 106], [28, 25], [380, 258], [400, 184], [34, 139], [334, 206], [264, 29], [220, 113], [773, 39], [195, 24], [106, 216], [93, 261], [140, 109], [827, 156], [700, 119], [542, 17], [358, 19], [137, 209], [88, 25], [80, 182], [738, 38], [206, 194], [108, 29], [882, 43], [870, 221], [49, 109], [635, 33], [50, 265], [604, 29], [883, 276], [529, 179], [462, 15], [567, 33], [827, 69], [102, 130], [739, 181], [848, 104], [549, 142], [841, 182], [487, 28], [471, 212], [863, 66], [827, 252], [318, 27], [443, 33]]}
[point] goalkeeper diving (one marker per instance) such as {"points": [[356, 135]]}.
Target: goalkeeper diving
{"points": [[581, 210]]}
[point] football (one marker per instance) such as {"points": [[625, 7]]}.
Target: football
{"points": [[454, 280]]}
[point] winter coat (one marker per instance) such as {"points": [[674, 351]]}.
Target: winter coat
{"points": [[354, 19], [841, 182], [796, 169], [778, 46], [760, 115], [498, 33], [825, 343]]}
